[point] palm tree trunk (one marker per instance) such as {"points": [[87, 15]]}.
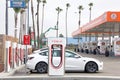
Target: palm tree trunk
{"points": [[78, 28], [57, 24], [42, 19], [38, 25], [66, 26], [20, 32], [90, 15], [22, 26], [16, 18], [32, 11], [42, 25]]}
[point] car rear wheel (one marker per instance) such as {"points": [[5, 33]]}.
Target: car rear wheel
{"points": [[91, 67], [42, 67]]}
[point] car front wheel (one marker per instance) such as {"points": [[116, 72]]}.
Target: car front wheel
{"points": [[91, 67], [42, 67]]}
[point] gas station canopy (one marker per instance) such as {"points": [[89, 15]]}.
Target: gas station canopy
{"points": [[107, 24]]}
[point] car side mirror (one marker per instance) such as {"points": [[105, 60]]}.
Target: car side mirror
{"points": [[77, 56]]}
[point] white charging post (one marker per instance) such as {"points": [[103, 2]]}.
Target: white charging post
{"points": [[56, 56], [103, 46], [117, 46], [93, 45]]}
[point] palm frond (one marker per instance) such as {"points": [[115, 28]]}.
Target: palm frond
{"points": [[17, 10]]}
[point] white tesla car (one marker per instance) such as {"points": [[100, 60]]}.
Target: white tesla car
{"points": [[73, 62]]}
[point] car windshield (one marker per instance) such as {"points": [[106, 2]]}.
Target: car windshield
{"points": [[69, 54], [42, 49]]}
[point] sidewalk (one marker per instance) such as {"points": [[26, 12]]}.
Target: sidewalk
{"points": [[13, 71]]}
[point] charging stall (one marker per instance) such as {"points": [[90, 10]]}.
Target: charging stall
{"points": [[93, 47], [14, 52], [8, 59], [56, 56], [81, 47], [103, 46], [18, 54], [117, 47], [22, 53], [86, 47]]}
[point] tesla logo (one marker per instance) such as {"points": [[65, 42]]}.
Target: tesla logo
{"points": [[26, 39], [56, 41]]}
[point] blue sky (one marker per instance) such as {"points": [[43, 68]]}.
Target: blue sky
{"points": [[99, 7]]}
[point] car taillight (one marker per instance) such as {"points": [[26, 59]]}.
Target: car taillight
{"points": [[30, 58]]}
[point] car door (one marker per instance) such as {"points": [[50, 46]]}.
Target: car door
{"points": [[73, 61]]}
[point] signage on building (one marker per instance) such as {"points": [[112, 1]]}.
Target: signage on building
{"points": [[17, 3], [26, 39]]}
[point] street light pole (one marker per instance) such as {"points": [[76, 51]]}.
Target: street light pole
{"points": [[6, 32], [6, 19], [27, 27]]}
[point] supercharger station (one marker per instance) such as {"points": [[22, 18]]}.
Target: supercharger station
{"points": [[8, 58], [14, 52], [56, 59], [117, 47], [22, 53], [18, 51]]}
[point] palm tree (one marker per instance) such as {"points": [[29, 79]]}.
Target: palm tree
{"points": [[90, 8], [44, 2], [38, 37], [67, 6], [22, 26], [80, 8], [61, 35], [17, 10], [58, 9], [32, 11]]}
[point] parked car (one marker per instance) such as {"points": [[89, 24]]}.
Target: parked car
{"points": [[42, 49], [73, 62]]}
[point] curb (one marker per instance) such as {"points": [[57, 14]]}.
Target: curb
{"points": [[13, 71]]}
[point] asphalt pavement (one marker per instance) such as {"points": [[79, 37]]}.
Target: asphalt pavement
{"points": [[111, 72], [60, 78]]}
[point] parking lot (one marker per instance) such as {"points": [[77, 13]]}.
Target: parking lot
{"points": [[111, 71], [111, 65], [111, 68]]}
